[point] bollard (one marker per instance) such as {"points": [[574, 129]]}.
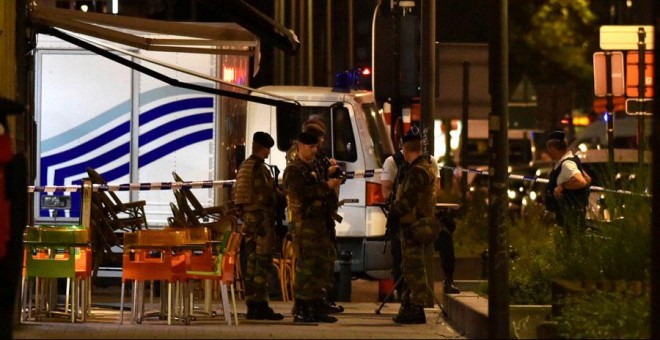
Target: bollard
{"points": [[344, 287]]}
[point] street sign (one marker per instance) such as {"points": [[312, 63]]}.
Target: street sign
{"points": [[624, 37], [600, 104], [600, 74], [632, 74], [639, 106]]}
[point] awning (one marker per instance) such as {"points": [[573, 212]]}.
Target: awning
{"points": [[209, 38], [147, 34], [256, 22]]}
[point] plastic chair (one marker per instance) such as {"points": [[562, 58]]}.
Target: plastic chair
{"points": [[287, 272], [230, 264], [140, 264], [208, 266], [53, 252]]}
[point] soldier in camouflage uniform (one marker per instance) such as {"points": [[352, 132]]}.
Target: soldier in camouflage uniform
{"points": [[415, 198], [310, 198], [256, 195], [323, 164]]}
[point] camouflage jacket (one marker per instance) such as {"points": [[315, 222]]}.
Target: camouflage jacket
{"points": [[254, 185], [307, 193], [415, 196]]}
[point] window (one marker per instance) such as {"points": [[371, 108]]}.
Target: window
{"points": [[289, 125], [343, 138], [380, 137]]}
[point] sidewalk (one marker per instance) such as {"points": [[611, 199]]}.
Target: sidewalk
{"points": [[359, 320]]}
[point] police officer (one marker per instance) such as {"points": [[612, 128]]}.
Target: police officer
{"points": [[308, 195], [568, 187], [415, 199], [256, 195], [390, 178]]}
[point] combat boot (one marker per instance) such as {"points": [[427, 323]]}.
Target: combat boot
{"points": [[251, 307], [410, 314], [403, 311], [330, 307], [263, 312], [319, 311], [303, 312]]}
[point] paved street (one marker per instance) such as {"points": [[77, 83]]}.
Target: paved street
{"points": [[359, 320]]}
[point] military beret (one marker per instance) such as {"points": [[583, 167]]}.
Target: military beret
{"points": [[308, 138], [263, 139], [315, 129], [412, 135], [555, 135]]}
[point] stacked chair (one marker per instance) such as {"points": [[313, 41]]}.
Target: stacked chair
{"points": [[110, 219], [189, 212]]}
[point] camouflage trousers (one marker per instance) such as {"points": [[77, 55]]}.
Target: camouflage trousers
{"points": [[330, 258], [259, 248], [314, 256], [414, 269]]}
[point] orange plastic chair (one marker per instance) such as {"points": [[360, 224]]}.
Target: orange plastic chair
{"points": [[229, 265], [286, 270], [140, 264]]}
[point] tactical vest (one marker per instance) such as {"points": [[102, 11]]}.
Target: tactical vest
{"points": [[570, 198], [308, 171], [426, 204], [245, 191]]}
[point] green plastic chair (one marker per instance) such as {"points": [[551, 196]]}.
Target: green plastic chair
{"points": [[53, 252]]}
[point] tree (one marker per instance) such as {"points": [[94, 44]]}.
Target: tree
{"points": [[552, 41]]}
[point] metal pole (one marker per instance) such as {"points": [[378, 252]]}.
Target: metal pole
{"points": [[641, 68], [351, 44], [310, 43], [447, 175], [427, 67], [498, 260], [293, 18], [304, 40], [655, 227], [610, 108], [328, 43], [464, 129], [280, 17]]}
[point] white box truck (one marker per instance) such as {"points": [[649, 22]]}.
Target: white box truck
{"points": [[134, 128]]}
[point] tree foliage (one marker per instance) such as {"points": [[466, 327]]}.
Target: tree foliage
{"points": [[553, 40]]}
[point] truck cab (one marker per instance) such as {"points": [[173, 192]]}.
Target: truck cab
{"points": [[357, 138]]}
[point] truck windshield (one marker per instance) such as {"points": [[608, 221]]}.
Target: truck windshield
{"points": [[289, 124], [378, 131]]}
